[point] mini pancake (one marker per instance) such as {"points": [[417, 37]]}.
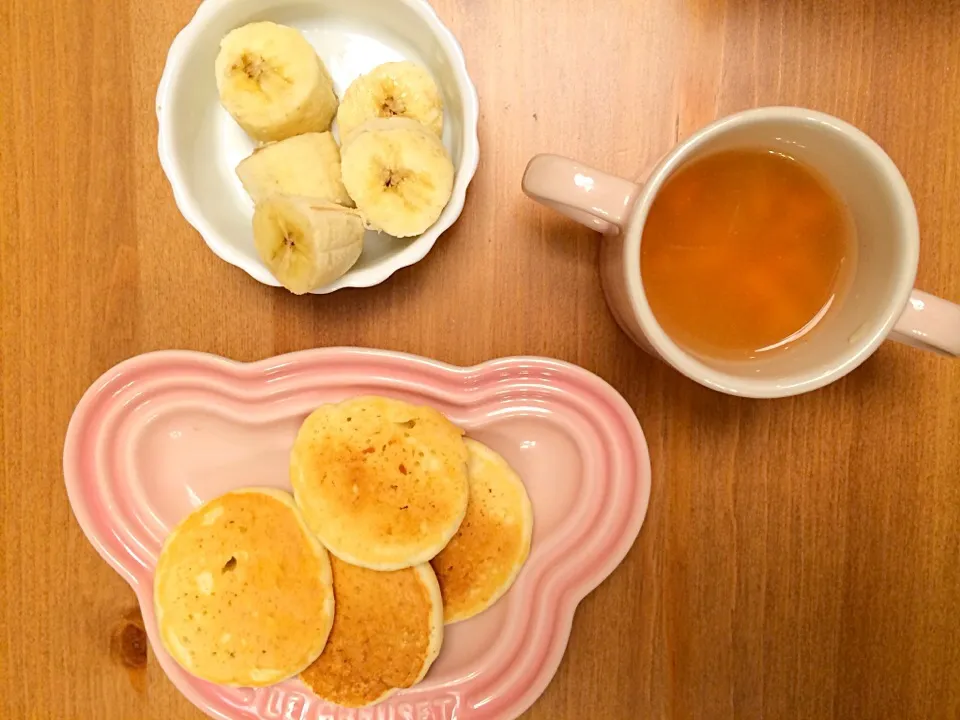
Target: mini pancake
{"points": [[485, 556], [382, 483], [386, 634], [243, 591]]}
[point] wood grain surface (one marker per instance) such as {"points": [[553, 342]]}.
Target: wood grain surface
{"points": [[800, 559]]}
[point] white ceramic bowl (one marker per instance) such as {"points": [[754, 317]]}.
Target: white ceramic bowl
{"points": [[200, 144]]}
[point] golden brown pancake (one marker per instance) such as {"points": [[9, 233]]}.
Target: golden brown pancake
{"points": [[243, 591], [387, 632], [484, 557], [382, 483]]}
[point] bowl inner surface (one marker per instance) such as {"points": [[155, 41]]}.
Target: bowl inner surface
{"points": [[352, 38]]}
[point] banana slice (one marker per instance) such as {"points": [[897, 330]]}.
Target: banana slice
{"points": [[306, 165], [399, 174], [397, 89], [306, 243], [273, 83]]}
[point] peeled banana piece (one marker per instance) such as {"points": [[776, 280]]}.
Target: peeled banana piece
{"points": [[306, 243], [273, 83], [397, 89], [398, 173], [306, 165]]}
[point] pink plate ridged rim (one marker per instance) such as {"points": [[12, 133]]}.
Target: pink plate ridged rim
{"points": [[593, 543]]}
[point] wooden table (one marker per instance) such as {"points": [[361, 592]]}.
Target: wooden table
{"points": [[800, 559]]}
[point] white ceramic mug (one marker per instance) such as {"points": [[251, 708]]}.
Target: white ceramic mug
{"points": [[881, 302]]}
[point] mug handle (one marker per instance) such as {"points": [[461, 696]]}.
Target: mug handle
{"points": [[589, 196], [929, 323]]}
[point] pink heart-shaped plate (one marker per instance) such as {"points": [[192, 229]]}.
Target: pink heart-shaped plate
{"points": [[162, 433]]}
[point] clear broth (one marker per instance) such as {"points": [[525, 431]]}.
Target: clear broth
{"points": [[744, 253]]}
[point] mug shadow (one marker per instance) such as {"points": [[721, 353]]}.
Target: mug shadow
{"points": [[877, 372], [721, 410], [563, 236]]}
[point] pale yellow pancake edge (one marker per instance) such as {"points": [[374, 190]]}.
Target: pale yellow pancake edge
{"points": [[510, 475], [429, 579]]}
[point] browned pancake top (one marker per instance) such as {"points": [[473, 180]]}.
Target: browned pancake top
{"points": [[243, 591], [381, 482], [380, 639]]}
